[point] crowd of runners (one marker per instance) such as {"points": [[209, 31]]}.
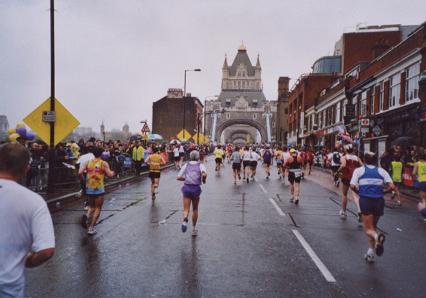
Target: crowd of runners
{"points": [[361, 179]]}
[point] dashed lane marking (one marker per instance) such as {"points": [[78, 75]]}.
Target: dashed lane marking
{"points": [[279, 210], [324, 270], [262, 188]]}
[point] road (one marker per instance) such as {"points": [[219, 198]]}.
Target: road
{"points": [[252, 242]]}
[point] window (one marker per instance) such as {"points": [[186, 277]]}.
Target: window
{"points": [[381, 96], [412, 82], [286, 111], [395, 89], [338, 112], [273, 124], [228, 116], [363, 103], [254, 116]]}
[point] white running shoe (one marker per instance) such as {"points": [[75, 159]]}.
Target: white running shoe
{"points": [[194, 232], [369, 258], [343, 214], [91, 231]]}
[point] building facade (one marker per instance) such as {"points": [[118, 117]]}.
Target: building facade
{"points": [[168, 115], [241, 114], [4, 126], [282, 111]]}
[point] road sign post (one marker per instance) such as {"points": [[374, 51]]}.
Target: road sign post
{"points": [[50, 184]]}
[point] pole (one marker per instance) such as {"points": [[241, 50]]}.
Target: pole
{"points": [[198, 128], [52, 97], [184, 104], [204, 119]]}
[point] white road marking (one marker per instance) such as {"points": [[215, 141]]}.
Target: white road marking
{"points": [[262, 188], [325, 272], [280, 212]]}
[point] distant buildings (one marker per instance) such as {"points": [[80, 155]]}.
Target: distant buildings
{"points": [[373, 76], [168, 114]]}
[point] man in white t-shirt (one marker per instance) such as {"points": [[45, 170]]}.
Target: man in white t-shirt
{"points": [[176, 157], [26, 230]]}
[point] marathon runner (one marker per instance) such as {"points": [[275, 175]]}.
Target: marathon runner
{"points": [[193, 173], [154, 162], [286, 157], [294, 165], [349, 163], [95, 189], [267, 160], [218, 153], [246, 163], [309, 160], [236, 164], [396, 174], [419, 171], [176, 157], [254, 158], [369, 182], [334, 159], [279, 161]]}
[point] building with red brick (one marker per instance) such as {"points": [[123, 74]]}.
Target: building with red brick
{"points": [[168, 113], [386, 92]]}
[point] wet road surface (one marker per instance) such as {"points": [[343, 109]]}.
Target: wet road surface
{"points": [[252, 242]]}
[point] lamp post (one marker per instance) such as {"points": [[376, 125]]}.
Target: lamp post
{"points": [[184, 98]]}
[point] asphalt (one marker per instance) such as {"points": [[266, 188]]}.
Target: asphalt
{"points": [[249, 245]]}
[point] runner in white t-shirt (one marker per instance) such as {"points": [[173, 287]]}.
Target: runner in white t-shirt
{"points": [[26, 231], [176, 157]]}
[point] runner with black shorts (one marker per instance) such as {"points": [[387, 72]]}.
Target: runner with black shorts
{"points": [[267, 160], [294, 165], [349, 163], [246, 163], [335, 163], [236, 164], [279, 160], [254, 158], [369, 182], [219, 155], [154, 162]]}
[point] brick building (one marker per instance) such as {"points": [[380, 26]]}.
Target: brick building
{"points": [[322, 106], [167, 114], [386, 91], [302, 96]]}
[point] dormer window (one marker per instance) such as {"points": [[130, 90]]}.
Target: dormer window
{"points": [[255, 102], [228, 102]]}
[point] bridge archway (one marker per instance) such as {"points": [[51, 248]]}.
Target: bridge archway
{"points": [[231, 122]]}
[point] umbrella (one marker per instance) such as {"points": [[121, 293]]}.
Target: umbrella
{"points": [[403, 142], [155, 137]]}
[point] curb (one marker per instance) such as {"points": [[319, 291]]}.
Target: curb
{"points": [[108, 187]]}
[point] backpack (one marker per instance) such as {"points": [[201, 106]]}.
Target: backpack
{"points": [[336, 158], [267, 156]]}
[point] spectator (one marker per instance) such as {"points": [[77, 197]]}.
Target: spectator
{"points": [[27, 237], [138, 153]]}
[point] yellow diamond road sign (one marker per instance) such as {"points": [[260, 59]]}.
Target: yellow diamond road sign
{"points": [[64, 125], [195, 137], [183, 135]]}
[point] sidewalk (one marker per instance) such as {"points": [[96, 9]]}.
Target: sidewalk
{"points": [[323, 177]]}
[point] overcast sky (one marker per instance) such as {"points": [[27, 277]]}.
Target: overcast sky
{"points": [[115, 57]]}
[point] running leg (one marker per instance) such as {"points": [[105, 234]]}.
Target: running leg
{"points": [[186, 206]]}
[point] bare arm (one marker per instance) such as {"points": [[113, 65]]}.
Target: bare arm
{"points": [[342, 165], [82, 169], [354, 188], [389, 187], [179, 178], [107, 170], [35, 259]]}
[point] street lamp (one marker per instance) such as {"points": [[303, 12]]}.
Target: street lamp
{"points": [[184, 97]]}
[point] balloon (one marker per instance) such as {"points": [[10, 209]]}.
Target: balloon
{"points": [[22, 131], [13, 137], [30, 135], [20, 125], [11, 131]]}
